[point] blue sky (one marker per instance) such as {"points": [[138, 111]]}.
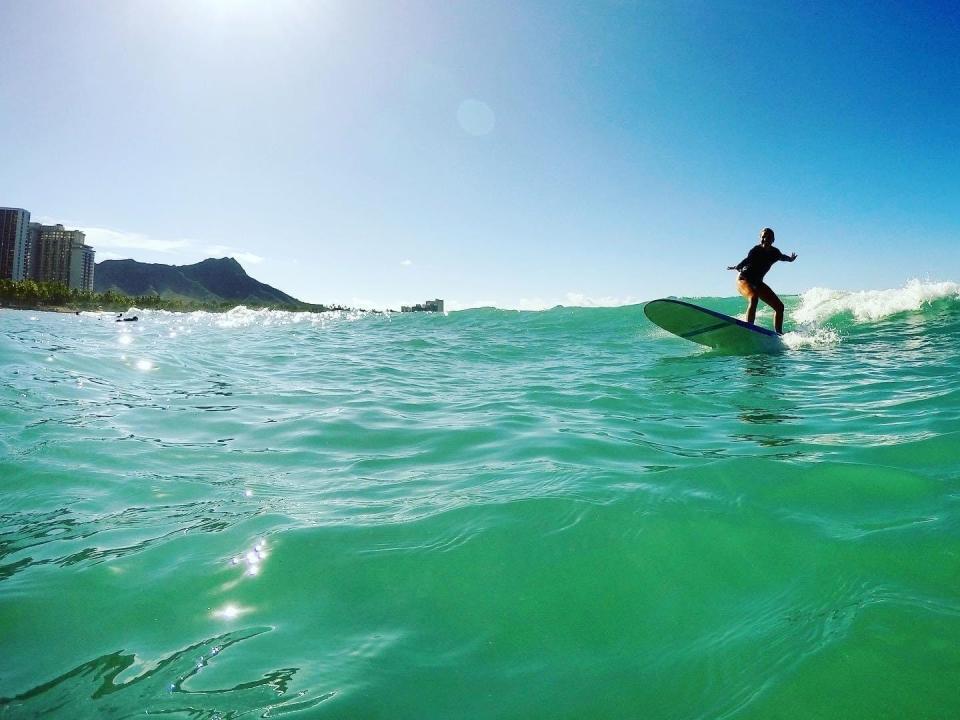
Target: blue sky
{"points": [[513, 153]]}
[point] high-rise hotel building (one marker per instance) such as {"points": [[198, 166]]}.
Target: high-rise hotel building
{"points": [[47, 253], [60, 255], [14, 244]]}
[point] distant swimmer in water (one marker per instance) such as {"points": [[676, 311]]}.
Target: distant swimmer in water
{"points": [[121, 318], [750, 282]]}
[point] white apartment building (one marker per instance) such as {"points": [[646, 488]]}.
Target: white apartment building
{"points": [[60, 255]]}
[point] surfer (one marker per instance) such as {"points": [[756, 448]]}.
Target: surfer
{"points": [[750, 282]]}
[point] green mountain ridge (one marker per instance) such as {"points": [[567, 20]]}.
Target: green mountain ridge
{"points": [[210, 280]]}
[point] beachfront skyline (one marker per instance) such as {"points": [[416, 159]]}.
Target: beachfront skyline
{"points": [[373, 153]]}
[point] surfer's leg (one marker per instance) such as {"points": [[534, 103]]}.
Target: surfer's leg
{"points": [[748, 292], [771, 299]]}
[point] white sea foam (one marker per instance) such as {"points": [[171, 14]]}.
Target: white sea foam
{"points": [[820, 304], [816, 337], [241, 317]]}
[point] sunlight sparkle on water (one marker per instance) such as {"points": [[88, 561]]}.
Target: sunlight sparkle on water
{"points": [[231, 611], [252, 558]]}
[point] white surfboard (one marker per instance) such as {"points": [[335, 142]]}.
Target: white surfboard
{"points": [[711, 328]]}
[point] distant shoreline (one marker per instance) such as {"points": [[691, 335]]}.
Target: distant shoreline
{"points": [[55, 309], [122, 308], [57, 297]]}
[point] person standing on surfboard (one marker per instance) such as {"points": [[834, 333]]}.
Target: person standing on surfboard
{"points": [[750, 282]]}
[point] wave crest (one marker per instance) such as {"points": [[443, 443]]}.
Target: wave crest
{"points": [[820, 304], [241, 317]]}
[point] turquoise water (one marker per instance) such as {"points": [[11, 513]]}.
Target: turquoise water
{"points": [[485, 514]]}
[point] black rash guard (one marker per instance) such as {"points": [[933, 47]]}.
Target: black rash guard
{"points": [[758, 262]]}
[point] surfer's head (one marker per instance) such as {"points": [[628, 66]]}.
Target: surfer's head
{"points": [[766, 236]]}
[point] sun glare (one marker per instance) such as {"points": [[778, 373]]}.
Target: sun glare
{"points": [[227, 10]]}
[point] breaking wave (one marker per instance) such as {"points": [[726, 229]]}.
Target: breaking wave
{"points": [[819, 305]]}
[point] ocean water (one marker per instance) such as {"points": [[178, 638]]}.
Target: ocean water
{"points": [[484, 514]]}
